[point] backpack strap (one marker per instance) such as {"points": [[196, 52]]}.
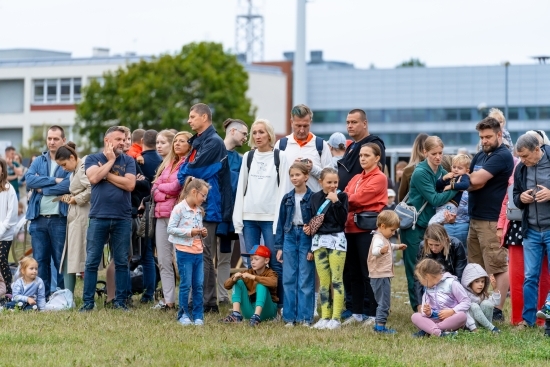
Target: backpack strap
{"points": [[282, 143], [319, 145], [249, 159]]}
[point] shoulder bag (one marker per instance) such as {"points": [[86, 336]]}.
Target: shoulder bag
{"points": [[147, 222], [512, 211], [408, 215], [317, 221]]}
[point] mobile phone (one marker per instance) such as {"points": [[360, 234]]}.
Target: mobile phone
{"points": [[534, 191], [305, 160]]}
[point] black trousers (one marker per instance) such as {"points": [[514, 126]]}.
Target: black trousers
{"points": [[4, 264], [359, 282]]}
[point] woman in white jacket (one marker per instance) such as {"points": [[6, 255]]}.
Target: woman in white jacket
{"points": [[8, 220], [262, 185]]}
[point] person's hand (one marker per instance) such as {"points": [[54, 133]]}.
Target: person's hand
{"points": [[203, 232], [140, 177], [444, 314], [248, 276], [332, 196], [280, 256], [402, 246], [385, 249], [447, 188], [58, 180], [448, 176], [449, 217], [307, 229], [109, 152], [72, 201], [427, 310], [195, 232], [38, 190], [493, 281], [237, 276], [141, 206], [309, 163], [526, 197], [140, 159], [499, 234], [542, 195], [309, 256], [31, 301]]}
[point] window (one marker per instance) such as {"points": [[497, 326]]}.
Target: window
{"points": [[465, 114], [544, 113], [513, 113], [451, 114], [54, 91], [531, 113]]}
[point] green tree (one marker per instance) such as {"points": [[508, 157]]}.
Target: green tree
{"points": [[412, 63], [157, 94]]}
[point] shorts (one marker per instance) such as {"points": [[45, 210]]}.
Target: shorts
{"points": [[484, 247]]}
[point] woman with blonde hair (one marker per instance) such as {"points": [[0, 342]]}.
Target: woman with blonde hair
{"points": [[417, 156], [166, 189], [424, 197], [8, 220]]}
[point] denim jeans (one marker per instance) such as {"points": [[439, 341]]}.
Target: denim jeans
{"points": [[149, 269], [252, 231], [458, 230], [298, 277], [98, 233], [48, 241], [534, 245], [191, 269]]}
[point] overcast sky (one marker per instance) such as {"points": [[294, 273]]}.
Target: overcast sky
{"points": [[363, 32]]}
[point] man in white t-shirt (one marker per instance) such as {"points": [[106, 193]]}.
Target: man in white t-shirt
{"points": [[303, 145]]}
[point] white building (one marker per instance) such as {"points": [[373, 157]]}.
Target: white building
{"points": [[39, 87]]}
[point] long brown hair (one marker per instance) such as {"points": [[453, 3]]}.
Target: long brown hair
{"points": [[437, 233], [4, 183], [171, 158]]}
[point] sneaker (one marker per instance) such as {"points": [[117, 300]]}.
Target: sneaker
{"points": [[305, 323], [289, 324], [383, 330], [163, 306], [121, 307], [544, 312], [495, 330], [198, 322], [315, 312], [497, 314], [185, 320], [333, 324], [448, 334], [351, 320], [145, 300], [255, 320], [87, 307], [232, 318], [420, 334], [368, 320], [321, 324], [346, 314]]}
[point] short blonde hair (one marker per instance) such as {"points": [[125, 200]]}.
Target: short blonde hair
{"points": [[462, 160], [388, 218], [268, 128], [497, 115]]}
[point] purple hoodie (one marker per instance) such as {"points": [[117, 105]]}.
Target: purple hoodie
{"points": [[448, 293]]}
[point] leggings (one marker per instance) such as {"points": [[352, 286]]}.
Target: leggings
{"points": [[330, 268], [4, 265], [435, 327], [483, 314], [263, 299]]}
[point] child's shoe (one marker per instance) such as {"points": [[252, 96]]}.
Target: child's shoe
{"points": [[495, 330], [497, 314], [383, 330], [233, 317], [321, 324], [333, 324], [544, 312], [368, 320], [185, 320], [255, 320], [198, 322], [353, 319], [420, 334], [448, 333]]}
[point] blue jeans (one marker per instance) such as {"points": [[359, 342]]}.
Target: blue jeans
{"points": [[48, 241], [458, 230], [98, 233], [191, 269], [149, 269], [534, 245], [298, 277], [252, 231]]}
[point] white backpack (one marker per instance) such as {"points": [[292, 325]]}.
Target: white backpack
{"points": [[61, 299]]}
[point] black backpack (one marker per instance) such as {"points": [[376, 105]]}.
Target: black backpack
{"points": [[276, 159], [318, 144]]}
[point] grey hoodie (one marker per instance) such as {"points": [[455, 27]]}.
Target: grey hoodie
{"points": [[472, 272]]}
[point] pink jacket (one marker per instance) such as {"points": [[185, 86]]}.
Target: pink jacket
{"points": [[503, 220], [166, 184]]}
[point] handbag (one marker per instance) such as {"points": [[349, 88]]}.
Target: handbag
{"points": [[147, 222], [365, 220], [408, 215], [512, 211], [317, 221]]}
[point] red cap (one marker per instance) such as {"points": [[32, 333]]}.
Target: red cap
{"points": [[259, 250]]}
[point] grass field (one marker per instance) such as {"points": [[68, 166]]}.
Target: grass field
{"points": [[145, 337]]}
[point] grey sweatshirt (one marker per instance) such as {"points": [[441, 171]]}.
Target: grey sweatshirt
{"points": [[539, 213]]}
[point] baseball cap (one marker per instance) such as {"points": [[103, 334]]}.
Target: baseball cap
{"points": [[391, 193], [336, 139], [259, 250]]}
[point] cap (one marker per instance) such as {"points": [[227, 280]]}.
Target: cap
{"points": [[259, 250], [391, 193], [336, 139]]}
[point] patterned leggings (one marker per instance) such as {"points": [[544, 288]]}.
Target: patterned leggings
{"points": [[4, 265], [483, 313], [330, 268]]}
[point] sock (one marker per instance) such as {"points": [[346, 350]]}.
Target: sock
{"points": [[358, 317]]}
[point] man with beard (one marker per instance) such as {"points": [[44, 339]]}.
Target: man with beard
{"points": [[113, 178], [491, 168]]}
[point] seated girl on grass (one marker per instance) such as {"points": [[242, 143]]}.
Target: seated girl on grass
{"points": [[28, 290]]}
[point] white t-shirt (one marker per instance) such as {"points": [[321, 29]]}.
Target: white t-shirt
{"points": [[298, 220]]}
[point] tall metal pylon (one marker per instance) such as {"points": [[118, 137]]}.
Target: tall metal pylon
{"points": [[249, 35]]}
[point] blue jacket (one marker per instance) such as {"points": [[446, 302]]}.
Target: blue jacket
{"points": [[286, 214], [37, 177], [210, 164], [226, 228]]}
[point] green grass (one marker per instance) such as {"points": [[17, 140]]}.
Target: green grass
{"points": [[146, 337]]}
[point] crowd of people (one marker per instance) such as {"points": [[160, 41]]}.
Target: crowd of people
{"points": [[315, 220]]}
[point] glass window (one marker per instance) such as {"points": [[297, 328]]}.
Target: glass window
{"points": [[51, 90], [419, 115], [375, 115], [38, 91], [531, 113], [391, 116], [513, 113], [544, 113], [436, 115], [77, 85], [465, 114], [65, 90], [451, 114]]}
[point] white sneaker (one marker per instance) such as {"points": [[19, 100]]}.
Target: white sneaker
{"points": [[199, 322], [321, 324], [185, 320], [333, 324], [289, 324], [351, 320], [315, 313], [368, 321], [159, 306]]}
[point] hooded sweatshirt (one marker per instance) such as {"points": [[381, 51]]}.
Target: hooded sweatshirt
{"points": [[447, 293], [472, 272]]}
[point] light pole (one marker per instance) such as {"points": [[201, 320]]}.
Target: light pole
{"points": [[299, 82], [506, 64]]}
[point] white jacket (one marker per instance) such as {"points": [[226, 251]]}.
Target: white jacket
{"points": [[8, 213], [263, 197], [294, 151]]}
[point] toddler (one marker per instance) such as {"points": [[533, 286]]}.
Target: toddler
{"points": [[457, 179], [476, 282], [380, 263], [28, 290], [137, 146]]}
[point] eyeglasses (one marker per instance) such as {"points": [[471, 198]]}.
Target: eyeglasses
{"points": [[203, 196], [245, 134]]}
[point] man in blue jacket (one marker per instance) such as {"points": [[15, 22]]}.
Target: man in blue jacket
{"points": [[47, 214], [208, 161]]}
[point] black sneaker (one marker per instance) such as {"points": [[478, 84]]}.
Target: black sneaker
{"points": [[87, 307], [255, 320], [420, 334], [211, 309], [121, 307], [497, 314]]}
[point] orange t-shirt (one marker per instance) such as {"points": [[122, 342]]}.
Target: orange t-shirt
{"points": [[301, 143]]}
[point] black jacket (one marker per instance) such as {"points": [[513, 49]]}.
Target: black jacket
{"points": [[454, 264], [349, 165], [336, 214]]}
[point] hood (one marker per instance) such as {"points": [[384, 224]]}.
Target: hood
{"points": [[444, 277], [471, 273]]}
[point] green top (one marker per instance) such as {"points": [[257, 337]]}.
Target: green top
{"points": [[423, 189]]}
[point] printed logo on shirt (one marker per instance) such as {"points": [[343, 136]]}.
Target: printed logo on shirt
{"points": [[477, 168]]}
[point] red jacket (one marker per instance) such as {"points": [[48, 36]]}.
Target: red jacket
{"points": [[135, 150], [367, 192]]}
